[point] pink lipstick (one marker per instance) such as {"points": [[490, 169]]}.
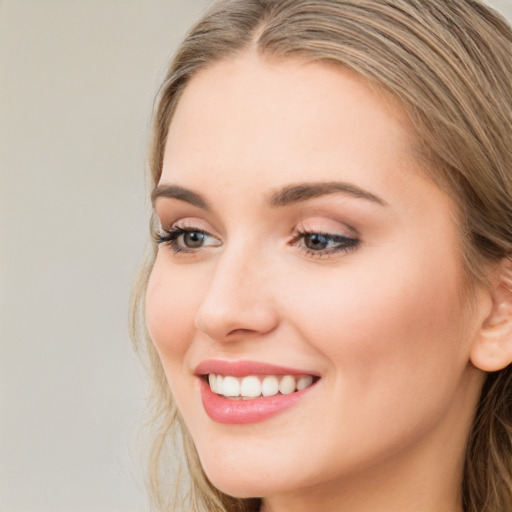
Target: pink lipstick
{"points": [[242, 392]]}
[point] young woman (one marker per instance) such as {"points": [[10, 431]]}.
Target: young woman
{"points": [[328, 306]]}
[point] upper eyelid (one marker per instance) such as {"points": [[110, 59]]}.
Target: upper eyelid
{"points": [[344, 229], [299, 229], [186, 223], [169, 213], [308, 225], [164, 212]]}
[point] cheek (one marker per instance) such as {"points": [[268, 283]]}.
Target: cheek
{"points": [[390, 322], [393, 337], [170, 311]]}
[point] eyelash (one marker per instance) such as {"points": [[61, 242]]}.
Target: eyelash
{"points": [[171, 236], [344, 243]]}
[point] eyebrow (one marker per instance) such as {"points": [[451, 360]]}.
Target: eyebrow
{"points": [[180, 193], [285, 196], [304, 191]]}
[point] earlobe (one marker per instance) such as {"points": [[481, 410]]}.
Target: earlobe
{"points": [[492, 349]]}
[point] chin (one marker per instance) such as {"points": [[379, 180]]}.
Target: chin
{"points": [[247, 478], [238, 487]]}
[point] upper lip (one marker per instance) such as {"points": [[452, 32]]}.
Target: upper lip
{"points": [[244, 368]]}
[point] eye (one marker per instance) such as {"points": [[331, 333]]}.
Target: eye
{"points": [[186, 239], [317, 241], [323, 244], [193, 239]]}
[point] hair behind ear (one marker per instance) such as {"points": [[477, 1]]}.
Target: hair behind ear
{"points": [[488, 464]]}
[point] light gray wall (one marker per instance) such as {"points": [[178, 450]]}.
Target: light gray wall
{"points": [[77, 80], [504, 6]]}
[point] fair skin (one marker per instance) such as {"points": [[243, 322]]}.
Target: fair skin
{"points": [[378, 314]]}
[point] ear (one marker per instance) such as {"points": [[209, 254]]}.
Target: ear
{"points": [[492, 348]]}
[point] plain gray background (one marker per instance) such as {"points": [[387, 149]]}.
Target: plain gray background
{"points": [[77, 82]]}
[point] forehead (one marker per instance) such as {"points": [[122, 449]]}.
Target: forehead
{"points": [[281, 121]]}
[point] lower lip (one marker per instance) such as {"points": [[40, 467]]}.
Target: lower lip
{"points": [[240, 412]]}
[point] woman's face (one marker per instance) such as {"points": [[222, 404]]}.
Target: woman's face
{"points": [[301, 238]]}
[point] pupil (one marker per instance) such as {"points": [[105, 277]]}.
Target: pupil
{"points": [[316, 242], [193, 239]]}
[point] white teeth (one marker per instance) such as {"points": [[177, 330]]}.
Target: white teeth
{"points": [[218, 384], [231, 386], [270, 386], [212, 380], [304, 382], [287, 385], [254, 386], [250, 387]]}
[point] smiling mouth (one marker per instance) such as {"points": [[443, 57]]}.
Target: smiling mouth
{"points": [[257, 386]]}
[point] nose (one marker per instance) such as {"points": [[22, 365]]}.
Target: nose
{"points": [[239, 301]]}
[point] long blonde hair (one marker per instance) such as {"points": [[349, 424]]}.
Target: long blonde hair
{"points": [[449, 63]]}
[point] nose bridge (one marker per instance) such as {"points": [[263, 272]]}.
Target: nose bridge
{"points": [[238, 298]]}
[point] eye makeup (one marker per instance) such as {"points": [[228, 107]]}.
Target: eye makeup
{"points": [[186, 239], [319, 244], [312, 243]]}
